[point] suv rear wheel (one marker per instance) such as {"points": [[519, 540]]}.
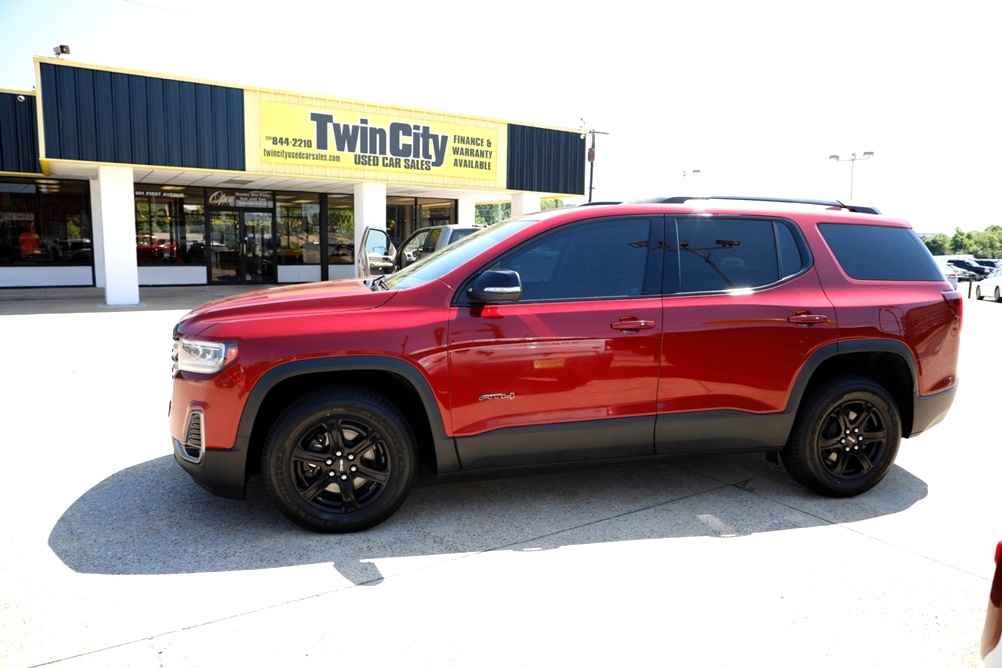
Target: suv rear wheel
{"points": [[845, 437], [339, 460]]}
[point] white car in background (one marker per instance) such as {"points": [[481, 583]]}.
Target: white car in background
{"points": [[990, 286]]}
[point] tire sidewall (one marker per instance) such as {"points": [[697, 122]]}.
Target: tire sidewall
{"points": [[808, 432], [293, 423]]}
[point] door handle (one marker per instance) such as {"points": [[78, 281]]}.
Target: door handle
{"points": [[632, 325], [808, 319]]}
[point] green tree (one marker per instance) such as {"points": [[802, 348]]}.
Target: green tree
{"points": [[979, 243], [939, 244], [495, 212]]}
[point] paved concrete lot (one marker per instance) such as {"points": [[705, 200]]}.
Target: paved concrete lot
{"points": [[112, 556]]}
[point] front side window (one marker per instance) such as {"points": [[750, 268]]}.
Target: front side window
{"points": [[590, 260], [710, 254]]}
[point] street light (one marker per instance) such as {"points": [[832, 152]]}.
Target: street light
{"points": [[852, 169], [591, 158], [690, 172]]}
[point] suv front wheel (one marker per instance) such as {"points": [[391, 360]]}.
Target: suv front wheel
{"points": [[339, 460], [845, 437]]}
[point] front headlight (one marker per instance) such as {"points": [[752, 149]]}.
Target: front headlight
{"points": [[202, 356]]}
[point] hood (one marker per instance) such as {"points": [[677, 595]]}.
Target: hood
{"points": [[350, 294]]}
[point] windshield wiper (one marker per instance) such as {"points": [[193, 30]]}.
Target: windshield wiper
{"points": [[378, 283]]}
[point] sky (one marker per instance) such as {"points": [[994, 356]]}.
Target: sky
{"points": [[756, 95]]}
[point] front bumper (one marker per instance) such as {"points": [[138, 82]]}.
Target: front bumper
{"points": [[221, 472]]}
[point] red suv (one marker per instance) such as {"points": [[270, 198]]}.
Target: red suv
{"points": [[815, 332]]}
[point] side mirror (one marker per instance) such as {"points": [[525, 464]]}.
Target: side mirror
{"points": [[496, 285]]}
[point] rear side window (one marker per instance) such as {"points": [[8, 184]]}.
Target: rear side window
{"points": [[878, 253], [716, 254]]}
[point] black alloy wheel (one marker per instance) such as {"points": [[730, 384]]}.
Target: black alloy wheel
{"points": [[845, 437], [340, 460]]}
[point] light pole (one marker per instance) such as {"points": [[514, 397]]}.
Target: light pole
{"points": [[591, 159], [852, 168]]}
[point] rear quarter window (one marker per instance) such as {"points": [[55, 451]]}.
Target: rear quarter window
{"points": [[880, 253]]}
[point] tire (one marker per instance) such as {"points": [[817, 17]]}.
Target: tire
{"points": [[339, 460], [977, 293], [997, 294], [845, 437]]}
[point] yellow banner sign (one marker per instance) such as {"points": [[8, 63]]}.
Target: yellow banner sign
{"points": [[359, 140]]}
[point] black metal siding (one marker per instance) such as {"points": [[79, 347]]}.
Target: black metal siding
{"points": [[544, 160], [18, 134], [127, 118]]}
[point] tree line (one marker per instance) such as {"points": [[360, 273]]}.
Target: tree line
{"points": [[495, 212], [983, 244]]}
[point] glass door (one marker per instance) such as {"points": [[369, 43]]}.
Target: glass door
{"points": [[239, 242]]}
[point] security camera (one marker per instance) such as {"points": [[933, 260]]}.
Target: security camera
{"points": [[20, 98]]}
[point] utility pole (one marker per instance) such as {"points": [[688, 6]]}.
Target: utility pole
{"points": [[591, 159]]}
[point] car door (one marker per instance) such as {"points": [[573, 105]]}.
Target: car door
{"points": [[417, 245], [744, 311], [376, 256], [570, 371]]}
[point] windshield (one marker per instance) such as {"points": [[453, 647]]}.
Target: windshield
{"points": [[436, 265]]}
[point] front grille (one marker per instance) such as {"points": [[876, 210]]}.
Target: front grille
{"points": [[192, 448]]}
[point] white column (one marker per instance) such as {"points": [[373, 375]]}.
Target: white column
{"points": [[525, 203], [112, 197], [467, 211], [370, 211]]}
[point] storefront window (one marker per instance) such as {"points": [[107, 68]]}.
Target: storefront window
{"points": [[341, 229], [44, 222], [405, 215], [298, 228], [435, 212], [400, 218], [170, 225]]}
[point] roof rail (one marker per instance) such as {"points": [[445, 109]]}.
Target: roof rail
{"points": [[597, 203], [817, 202]]}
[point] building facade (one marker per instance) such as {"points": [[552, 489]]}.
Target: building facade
{"points": [[120, 179]]}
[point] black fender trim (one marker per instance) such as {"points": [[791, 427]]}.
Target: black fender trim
{"points": [[445, 447], [832, 350]]}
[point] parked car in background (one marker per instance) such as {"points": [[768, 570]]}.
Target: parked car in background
{"points": [[978, 270], [429, 240], [382, 257], [949, 273], [990, 286], [991, 264], [963, 275]]}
